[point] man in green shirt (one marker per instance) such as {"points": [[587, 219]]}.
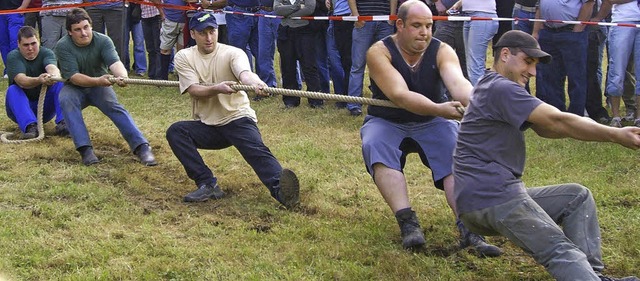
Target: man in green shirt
{"points": [[29, 68], [85, 57]]}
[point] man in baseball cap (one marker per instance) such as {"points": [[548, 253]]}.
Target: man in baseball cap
{"points": [[556, 224], [223, 116], [201, 20], [525, 42]]}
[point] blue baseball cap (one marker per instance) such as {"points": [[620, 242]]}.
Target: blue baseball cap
{"points": [[202, 20]]}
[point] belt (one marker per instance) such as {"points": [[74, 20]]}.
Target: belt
{"points": [[564, 28], [266, 8], [251, 9], [524, 8]]}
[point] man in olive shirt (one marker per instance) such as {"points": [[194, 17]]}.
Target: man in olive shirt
{"points": [[83, 58]]}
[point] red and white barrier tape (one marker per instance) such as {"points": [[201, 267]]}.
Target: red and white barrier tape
{"points": [[336, 18]]}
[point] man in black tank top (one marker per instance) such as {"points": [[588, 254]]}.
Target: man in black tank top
{"points": [[409, 69]]}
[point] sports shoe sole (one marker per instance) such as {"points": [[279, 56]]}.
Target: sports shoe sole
{"points": [[289, 188]]}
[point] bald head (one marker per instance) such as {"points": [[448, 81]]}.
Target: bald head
{"points": [[414, 7]]}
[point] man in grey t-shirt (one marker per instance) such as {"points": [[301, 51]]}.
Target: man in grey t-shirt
{"points": [[558, 224]]}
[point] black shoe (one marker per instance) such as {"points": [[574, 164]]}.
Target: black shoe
{"points": [[88, 157], [355, 111], [31, 132], [412, 236], [341, 105], [628, 278], [288, 105], [204, 193], [288, 191], [61, 129], [145, 155], [316, 105], [468, 238]]}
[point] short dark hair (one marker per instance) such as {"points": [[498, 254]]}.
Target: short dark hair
{"points": [[496, 53], [75, 16], [27, 32]]}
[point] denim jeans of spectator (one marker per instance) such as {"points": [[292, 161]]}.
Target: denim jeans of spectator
{"points": [[329, 65], [569, 63], [9, 26], [139, 56], [23, 111], [625, 43], [477, 34], [362, 39], [557, 225], [242, 31], [595, 51], [74, 99], [523, 25], [342, 36], [151, 31], [186, 137], [268, 31]]}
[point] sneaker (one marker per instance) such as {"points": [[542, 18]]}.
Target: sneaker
{"points": [[412, 236], [204, 193], [355, 111], [145, 155], [468, 238], [628, 278], [630, 116], [88, 157], [61, 129], [288, 191], [31, 132], [616, 122]]}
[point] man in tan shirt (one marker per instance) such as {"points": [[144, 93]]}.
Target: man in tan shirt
{"points": [[223, 116]]}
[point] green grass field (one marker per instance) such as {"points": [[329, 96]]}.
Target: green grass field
{"points": [[119, 220]]}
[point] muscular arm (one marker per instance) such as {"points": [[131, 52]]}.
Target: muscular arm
{"points": [[451, 73], [549, 122], [395, 88]]}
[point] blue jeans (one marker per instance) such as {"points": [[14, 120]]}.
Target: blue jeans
{"points": [[23, 111], [363, 38], [625, 42], [186, 137], [242, 31], [476, 35], [329, 65], [139, 56], [569, 52], [74, 99], [9, 26], [526, 26], [268, 31], [570, 252]]}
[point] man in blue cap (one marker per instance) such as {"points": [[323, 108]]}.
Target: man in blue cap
{"points": [[223, 116]]}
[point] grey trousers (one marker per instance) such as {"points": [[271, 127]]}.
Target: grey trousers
{"points": [[556, 224]]}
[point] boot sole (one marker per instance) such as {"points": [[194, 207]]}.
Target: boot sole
{"points": [[290, 188]]}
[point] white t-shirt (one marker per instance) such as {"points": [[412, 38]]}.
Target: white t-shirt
{"points": [[487, 6], [225, 63]]}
